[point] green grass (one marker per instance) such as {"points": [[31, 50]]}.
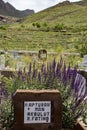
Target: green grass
{"points": [[24, 36]]}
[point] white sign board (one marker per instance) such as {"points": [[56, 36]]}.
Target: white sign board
{"points": [[37, 112]]}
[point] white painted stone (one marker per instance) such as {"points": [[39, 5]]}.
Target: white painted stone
{"points": [[2, 62]]}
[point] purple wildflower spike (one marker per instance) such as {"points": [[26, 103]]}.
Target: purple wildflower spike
{"points": [[42, 68], [30, 67], [34, 73], [39, 77], [54, 64], [12, 95], [64, 75], [19, 74]]}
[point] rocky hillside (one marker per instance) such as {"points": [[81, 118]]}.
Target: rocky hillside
{"points": [[8, 10], [82, 2]]}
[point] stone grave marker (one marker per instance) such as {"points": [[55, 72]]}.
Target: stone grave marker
{"points": [[37, 110], [84, 63], [2, 62], [42, 54]]}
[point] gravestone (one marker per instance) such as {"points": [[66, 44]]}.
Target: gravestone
{"points": [[42, 54], [85, 60], [37, 110], [2, 62]]}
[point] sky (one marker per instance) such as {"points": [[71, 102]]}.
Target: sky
{"points": [[36, 5]]}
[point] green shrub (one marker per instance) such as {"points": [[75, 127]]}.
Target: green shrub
{"points": [[59, 27], [3, 27], [36, 25], [45, 24], [23, 26], [83, 49]]}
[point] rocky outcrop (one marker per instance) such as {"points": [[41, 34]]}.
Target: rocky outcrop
{"points": [[81, 2], [9, 10]]}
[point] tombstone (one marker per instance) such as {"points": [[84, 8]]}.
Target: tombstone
{"points": [[42, 55], [83, 64], [37, 110], [2, 62], [85, 60]]}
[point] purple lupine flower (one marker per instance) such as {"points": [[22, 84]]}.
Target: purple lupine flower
{"points": [[73, 76], [80, 94], [64, 75], [74, 72], [69, 72], [1, 91], [61, 62], [76, 83], [54, 64], [12, 95], [34, 65], [42, 68], [48, 83], [54, 75], [6, 94], [50, 68], [24, 70], [57, 69], [79, 85], [23, 78], [30, 68], [3, 94], [82, 108], [19, 74], [77, 103], [39, 77], [45, 74], [34, 73], [47, 67], [0, 96], [79, 113], [85, 98]]}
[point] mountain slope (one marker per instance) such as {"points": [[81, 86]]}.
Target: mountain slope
{"points": [[66, 12], [82, 3], [61, 27], [9, 10]]}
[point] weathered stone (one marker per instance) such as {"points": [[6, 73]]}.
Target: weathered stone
{"points": [[52, 96]]}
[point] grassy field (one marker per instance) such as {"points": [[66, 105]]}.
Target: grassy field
{"points": [[59, 28]]}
